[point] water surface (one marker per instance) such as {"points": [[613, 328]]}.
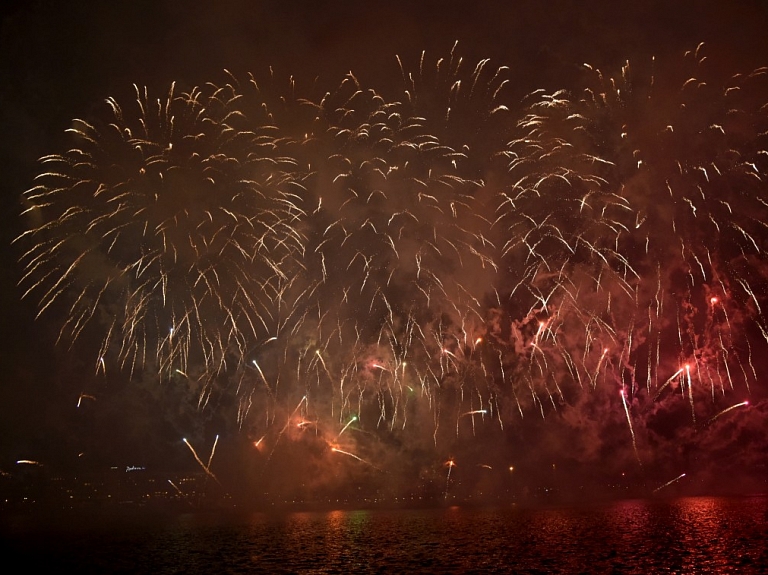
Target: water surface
{"points": [[687, 535]]}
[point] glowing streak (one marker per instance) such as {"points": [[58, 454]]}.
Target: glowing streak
{"points": [[726, 410], [597, 369], [451, 464], [264, 379], [350, 422], [690, 390], [666, 383], [175, 487], [337, 450], [670, 482], [629, 422], [84, 396], [475, 412], [213, 450], [199, 461]]}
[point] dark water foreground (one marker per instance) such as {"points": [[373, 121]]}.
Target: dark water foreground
{"points": [[688, 535]]}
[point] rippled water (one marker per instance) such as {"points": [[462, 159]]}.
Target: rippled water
{"points": [[690, 535]]}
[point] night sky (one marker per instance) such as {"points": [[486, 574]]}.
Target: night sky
{"points": [[393, 263]]}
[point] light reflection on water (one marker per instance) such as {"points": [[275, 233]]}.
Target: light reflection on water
{"points": [[692, 535]]}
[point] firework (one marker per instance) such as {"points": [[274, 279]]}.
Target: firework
{"points": [[431, 267], [352, 455], [170, 227], [670, 482], [206, 468], [658, 210], [726, 410], [450, 464]]}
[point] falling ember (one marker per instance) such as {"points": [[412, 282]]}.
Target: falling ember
{"points": [[690, 391], [670, 380], [670, 482], [450, 464], [263, 378], [199, 461], [84, 396], [726, 410], [350, 422], [629, 422], [347, 453], [471, 413], [599, 367], [176, 487], [194, 453], [213, 450]]}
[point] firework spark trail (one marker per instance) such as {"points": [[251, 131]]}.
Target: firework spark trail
{"points": [[350, 422], [726, 410], [179, 491], [83, 396], [213, 450], [472, 414], [450, 464], [631, 429], [666, 383], [200, 462], [670, 482], [337, 450]]}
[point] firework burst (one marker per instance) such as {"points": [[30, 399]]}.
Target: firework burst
{"points": [[445, 262]]}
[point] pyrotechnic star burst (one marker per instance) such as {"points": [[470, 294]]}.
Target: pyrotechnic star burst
{"points": [[431, 264]]}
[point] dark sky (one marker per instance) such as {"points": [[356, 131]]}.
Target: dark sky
{"points": [[61, 60]]}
